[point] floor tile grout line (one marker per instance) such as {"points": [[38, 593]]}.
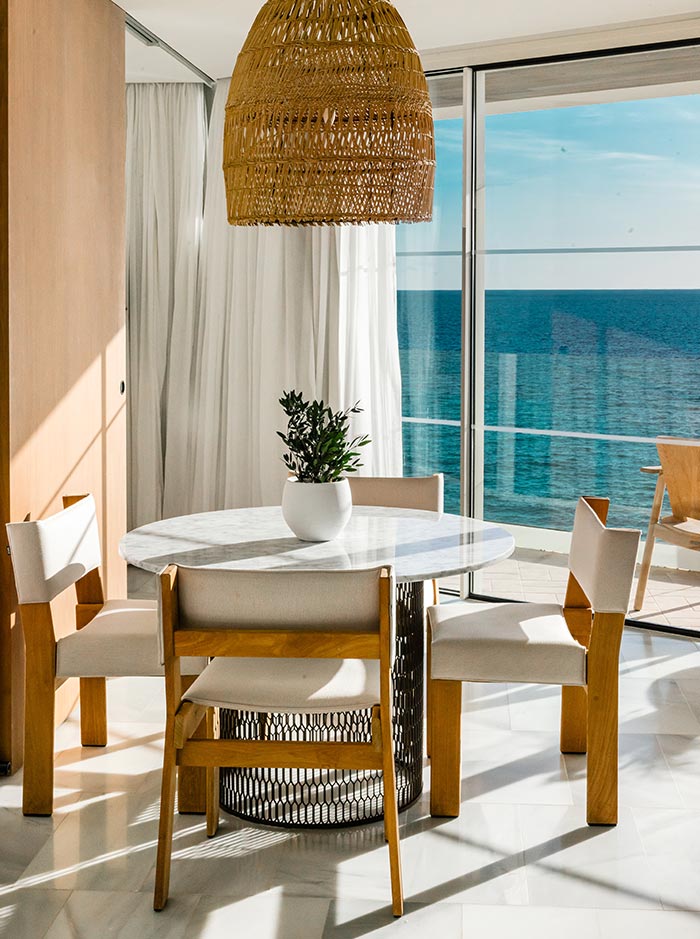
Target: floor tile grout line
{"points": [[58, 913]]}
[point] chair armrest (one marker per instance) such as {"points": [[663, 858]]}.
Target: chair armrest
{"points": [[650, 469]]}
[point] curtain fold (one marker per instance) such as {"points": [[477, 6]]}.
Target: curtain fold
{"points": [[165, 151], [271, 309]]}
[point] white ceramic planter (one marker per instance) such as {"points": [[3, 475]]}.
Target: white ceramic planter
{"points": [[316, 511]]}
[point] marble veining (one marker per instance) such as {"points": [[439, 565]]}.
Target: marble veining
{"points": [[419, 545]]}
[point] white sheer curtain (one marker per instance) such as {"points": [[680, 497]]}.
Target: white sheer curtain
{"points": [[311, 309], [166, 145], [220, 327]]}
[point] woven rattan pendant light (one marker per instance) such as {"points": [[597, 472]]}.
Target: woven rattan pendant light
{"points": [[328, 119]]}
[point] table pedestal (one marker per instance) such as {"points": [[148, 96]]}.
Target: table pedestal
{"points": [[307, 798]]}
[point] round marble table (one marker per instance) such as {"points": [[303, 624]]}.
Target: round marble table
{"points": [[420, 546]]}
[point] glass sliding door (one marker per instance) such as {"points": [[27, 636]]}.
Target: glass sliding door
{"points": [[429, 280], [587, 305]]}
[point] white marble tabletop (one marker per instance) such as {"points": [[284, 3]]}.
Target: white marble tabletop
{"points": [[419, 545]]}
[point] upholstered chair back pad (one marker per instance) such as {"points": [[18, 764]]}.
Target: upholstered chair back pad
{"points": [[402, 492], [51, 554], [343, 600], [602, 560]]}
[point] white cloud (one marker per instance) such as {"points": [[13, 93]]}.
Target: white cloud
{"points": [[625, 155]]}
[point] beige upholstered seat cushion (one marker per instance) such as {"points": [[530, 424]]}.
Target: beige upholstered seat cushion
{"points": [[288, 685], [121, 640], [519, 642]]}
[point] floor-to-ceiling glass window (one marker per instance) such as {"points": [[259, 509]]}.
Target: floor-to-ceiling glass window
{"points": [[429, 275], [587, 304]]}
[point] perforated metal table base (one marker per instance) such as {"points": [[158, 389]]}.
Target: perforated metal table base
{"points": [[303, 798]]}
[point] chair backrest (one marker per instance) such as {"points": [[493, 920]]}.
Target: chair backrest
{"points": [[52, 553], [342, 603], [344, 600], [399, 492], [680, 462], [602, 560]]}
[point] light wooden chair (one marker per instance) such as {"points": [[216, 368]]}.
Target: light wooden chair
{"points": [[425, 493], [576, 646], [679, 475], [113, 638], [283, 642]]}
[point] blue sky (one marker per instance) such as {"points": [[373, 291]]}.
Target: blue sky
{"points": [[620, 174]]}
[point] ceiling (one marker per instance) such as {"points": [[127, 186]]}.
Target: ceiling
{"points": [[210, 32]]}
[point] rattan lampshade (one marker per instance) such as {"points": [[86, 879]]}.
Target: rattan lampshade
{"points": [[328, 119]]}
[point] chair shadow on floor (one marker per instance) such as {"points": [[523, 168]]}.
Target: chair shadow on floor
{"points": [[242, 846]]}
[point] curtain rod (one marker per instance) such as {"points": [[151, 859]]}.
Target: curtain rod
{"points": [[149, 38]]}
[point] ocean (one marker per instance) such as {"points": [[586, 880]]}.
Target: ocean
{"points": [[613, 362]]}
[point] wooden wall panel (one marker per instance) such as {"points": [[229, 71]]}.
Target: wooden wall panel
{"points": [[6, 584], [65, 144]]}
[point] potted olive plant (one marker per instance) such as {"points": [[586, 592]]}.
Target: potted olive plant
{"points": [[316, 503]]}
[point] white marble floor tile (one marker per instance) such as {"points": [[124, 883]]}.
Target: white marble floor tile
{"points": [[648, 924], [65, 798], [539, 779], [582, 866], [682, 754], [644, 775], [655, 706], [351, 862], [535, 707], [690, 689], [671, 840], [21, 839], [485, 706], [271, 915], [133, 757], [507, 767], [136, 699], [646, 654], [675, 667], [240, 861], [677, 882], [90, 914], [530, 922], [105, 842], [500, 746], [27, 914], [352, 919], [476, 858]]}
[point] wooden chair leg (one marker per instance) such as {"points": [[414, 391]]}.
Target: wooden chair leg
{"points": [[428, 689], [649, 545], [445, 719], [93, 712], [192, 780], [167, 818], [391, 814], [603, 696], [428, 667], [644, 569], [39, 709], [37, 784], [212, 777], [573, 736]]}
